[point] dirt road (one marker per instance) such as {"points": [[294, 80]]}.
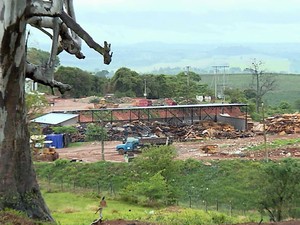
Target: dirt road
{"points": [[226, 149]]}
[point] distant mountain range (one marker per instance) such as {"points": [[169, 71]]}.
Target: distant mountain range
{"points": [[173, 58]]}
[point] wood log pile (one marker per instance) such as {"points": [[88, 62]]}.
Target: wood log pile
{"points": [[181, 132], [283, 124]]}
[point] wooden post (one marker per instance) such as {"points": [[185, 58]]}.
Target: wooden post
{"points": [[102, 150]]}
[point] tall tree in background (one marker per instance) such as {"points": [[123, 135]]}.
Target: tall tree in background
{"points": [[80, 80], [40, 57], [127, 83], [262, 82], [19, 188]]}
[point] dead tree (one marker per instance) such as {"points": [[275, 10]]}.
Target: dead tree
{"points": [[263, 83], [18, 184]]}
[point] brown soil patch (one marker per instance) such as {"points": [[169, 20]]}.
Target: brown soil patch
{"points": [[226, 149]]}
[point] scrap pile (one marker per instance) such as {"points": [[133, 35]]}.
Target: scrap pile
{"points": [[283, 124], [181, 132]]}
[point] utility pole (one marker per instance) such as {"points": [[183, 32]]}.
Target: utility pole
{"points": [[264, 131], [217, 68], [215, 80], [145, 88], [187, 73]]}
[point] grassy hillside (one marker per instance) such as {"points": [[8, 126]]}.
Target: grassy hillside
{"points": [[155, 180], [287, 86]]}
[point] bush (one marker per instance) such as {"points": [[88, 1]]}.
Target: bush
{"points": [[153, 192], [95, 132], [65, 130], [94, 100]]}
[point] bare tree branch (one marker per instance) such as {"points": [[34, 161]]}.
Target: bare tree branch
{"points": [[59, 16], [67, 42], [39, 16], [105, 51], [37, 74]]}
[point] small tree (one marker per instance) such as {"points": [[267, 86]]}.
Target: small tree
{"points": [[262, 82], [280, 188], [160, 160], [36, 103], [96, 132], [149, 193], [65, 130]]}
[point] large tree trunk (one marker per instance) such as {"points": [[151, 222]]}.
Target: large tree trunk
{"points": [[18, 184]]}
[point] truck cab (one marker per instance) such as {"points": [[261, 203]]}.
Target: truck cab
{"points": [[131, 144]]}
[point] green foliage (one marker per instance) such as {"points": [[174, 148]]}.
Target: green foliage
{"points": [[280, 188], [95, 100], [195, 217], [103, 174], [235, 95], [75, 144], [35, 104], [61, 162], [154, 160], [275, 144], [127, 83], [156, 178], [158, 160], [81, 81], [65, 130], [40, 57], [283, 107], [95, 132], [79, 209], [102, 73], [152, 192]]}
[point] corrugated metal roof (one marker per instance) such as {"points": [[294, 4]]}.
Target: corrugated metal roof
{"points": [[54, 118]]}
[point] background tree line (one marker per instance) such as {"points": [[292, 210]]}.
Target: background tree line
{"points": [[182, 87]]}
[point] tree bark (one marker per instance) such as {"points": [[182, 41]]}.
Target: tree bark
{"points": [[19, 189]]}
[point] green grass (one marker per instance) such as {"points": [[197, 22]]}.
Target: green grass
{"points": [[76, 144], [275, 144], [76, 209], [225, 181], [287, 86]]}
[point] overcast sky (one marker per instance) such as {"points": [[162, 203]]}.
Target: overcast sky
{"points": [[190, 21], [217, 22]]}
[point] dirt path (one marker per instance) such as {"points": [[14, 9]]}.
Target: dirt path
{"points": [[226, 149]]}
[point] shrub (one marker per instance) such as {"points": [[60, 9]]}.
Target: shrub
{"points": [[64, 130], [95, 132], [153, 192]]}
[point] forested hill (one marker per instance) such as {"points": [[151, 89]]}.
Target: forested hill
{"points": [[171, 58]]}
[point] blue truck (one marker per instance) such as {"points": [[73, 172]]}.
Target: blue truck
{"points": [[133, 143]]}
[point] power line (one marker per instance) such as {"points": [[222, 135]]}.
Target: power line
{"points": [[221, 68]]}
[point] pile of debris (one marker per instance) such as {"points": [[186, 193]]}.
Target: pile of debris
{"points": [[281, 124], [180, 132], [284, 124]]}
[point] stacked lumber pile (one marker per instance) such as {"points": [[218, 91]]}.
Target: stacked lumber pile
{"points": [[283, 124]]}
